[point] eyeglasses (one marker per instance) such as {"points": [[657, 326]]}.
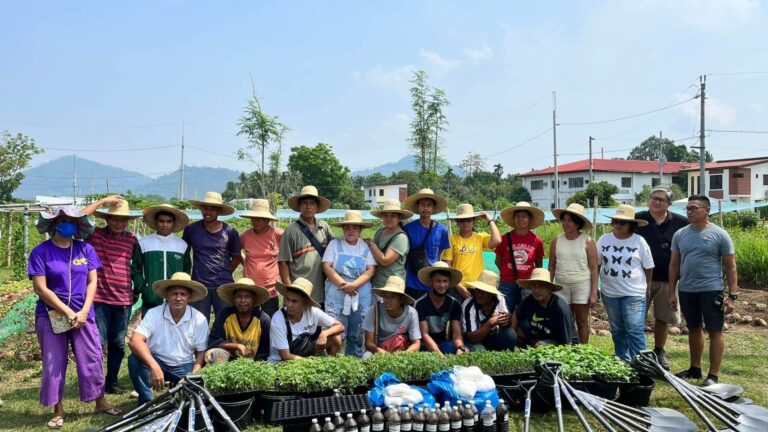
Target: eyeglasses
{"points": [[693, 208], [659, 200], [619, 222]]}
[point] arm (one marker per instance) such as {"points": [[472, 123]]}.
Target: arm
{"points": [[111, 199], [515, 324], [495, 239], [333, 276], [50, 298], [429, 343], [482, 331], [594, 270], [285, 272], [370, 344], [236, 261], [363, 278], [458, 338], [415, 346], [729, 261], [336, 329], [384, 259], [137, 270], [648, 282], [674, 275], [140, 349], [90, 291], [262, 352], [539, 252], [199, 361], [188, 260], [553, 257]]}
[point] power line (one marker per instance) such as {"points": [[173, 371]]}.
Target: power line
{"points": [[738, 73], [495, 125], [520, 144], [58, 126], [213, 153], [629, 116], [110, 150], [738, 131]]}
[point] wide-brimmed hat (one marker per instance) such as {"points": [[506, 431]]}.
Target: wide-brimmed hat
{"points": [[214, 199], [181, 279], [625, 212], [392, 206], [411, 203], [577, 210], [301, 286], [353, 217], [323, 203], [542, 276], [119, 208], [47, 221], [259, 209], [486, 281], [227, 291], [394, 284], [149, 217], [464, 211], [537, 215], [425, 274]]}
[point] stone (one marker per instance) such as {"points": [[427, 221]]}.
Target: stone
{"points": [[684, 330], [746, 319], [674, 330], [759, 323], [736, 317], [603, 333], [592, 331]]}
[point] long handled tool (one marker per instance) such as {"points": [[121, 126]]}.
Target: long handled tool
{"points": [[571, 401], [548, 376], [531, 384]]}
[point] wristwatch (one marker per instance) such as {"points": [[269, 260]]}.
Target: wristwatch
{"points": [[733, 296]]}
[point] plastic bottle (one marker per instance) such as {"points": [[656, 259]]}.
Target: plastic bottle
{"points": [[364, 422], [468, 419], [350, 425], [431, 423], [393, 420], [418, 420], [338, 421], [328, 426], [377, 421], [456, 419], [443, 421], [315, 426], [487, 417], [406, 419], [478, 426], [502, 416]]}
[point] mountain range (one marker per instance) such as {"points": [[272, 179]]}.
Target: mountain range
{"points": [[407, 162]]}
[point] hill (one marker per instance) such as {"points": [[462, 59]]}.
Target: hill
{"points": [[407, 162], [197, 181]]}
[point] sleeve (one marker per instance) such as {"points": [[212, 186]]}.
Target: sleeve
{"points": [[414, 333], [187, 234], [368, 324], [147, 325], [646, 258], [36, 264], [263, 351], [485, 239], [201, 333], [466, 325], [369, 259], [400, 244], [93, 259], [321, 318], [502, 306], [675, 247], [445, 243], [137, 269], [448, 253], [286, 252], [235, 248], [277, 333], [217, 336], [539, 248], [455, 312], [188, 260], [330, 252], [726, 244], [566, 330], [501, 249], [421, 310]]}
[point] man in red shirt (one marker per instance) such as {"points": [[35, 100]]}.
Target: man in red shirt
{"points": [[114, 289]]}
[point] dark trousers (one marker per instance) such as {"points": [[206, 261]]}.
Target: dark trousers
{"points": [[112, 322], [211, 300], [271, 306], [140, 375]]}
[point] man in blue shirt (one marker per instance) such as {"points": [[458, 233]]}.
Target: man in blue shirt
{"points": [[428, 239]]}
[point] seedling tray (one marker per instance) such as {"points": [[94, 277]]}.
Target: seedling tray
{"points": [[302, 411]]}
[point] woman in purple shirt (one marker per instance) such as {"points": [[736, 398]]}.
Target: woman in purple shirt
{"points": [[63, 274]]}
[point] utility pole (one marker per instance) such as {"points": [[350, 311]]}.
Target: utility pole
{"points": [[556, 201], [590, 160], [702, 152], [661, 159], [74, 180], [181, 170]]}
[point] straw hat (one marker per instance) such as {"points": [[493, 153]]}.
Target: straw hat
{"points": [[537, 215], [259, 209], [425, 274], [577, 210], [120, 208], [353, 217], [46, 222], [150, 215], [394, 284], [542, 276], [392, 206], [486, 281], [625, 212], [214, 199], [300, 285], [411, 203], [464, 211], [183, 280], [323, 203], [227, 291]]}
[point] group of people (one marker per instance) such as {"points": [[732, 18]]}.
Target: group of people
{"points": [[411, 287]]}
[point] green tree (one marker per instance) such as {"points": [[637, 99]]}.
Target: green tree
{"points": [[319, 166], [261, 130], [438, 122], [602, 190], [641, 198], [15, 154], [649, 150], [428, 122], [375, 179], [411, 178]]}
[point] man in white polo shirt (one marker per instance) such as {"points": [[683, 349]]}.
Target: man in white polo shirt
{"points": [[171, 339]]}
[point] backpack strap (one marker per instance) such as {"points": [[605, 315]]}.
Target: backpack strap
{"points": [[311, 237], [511, 255], [288, 333]]}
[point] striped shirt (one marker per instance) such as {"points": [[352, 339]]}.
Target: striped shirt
{"points": [[114, 284]]}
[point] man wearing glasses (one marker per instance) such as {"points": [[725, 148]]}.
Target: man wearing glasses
{"points": [[662, 225], [699, 253]]}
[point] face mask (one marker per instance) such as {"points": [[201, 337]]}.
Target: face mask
{"points": [[66, 229]]}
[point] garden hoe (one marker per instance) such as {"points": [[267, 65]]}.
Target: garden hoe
{"points": [[527, 412]]}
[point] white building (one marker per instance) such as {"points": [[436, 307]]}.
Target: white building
{"points": [[375, 195], [735, 180], [628, 175]]}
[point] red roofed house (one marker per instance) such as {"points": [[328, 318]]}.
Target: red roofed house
{"points": [[628, 175], [735, 180]]}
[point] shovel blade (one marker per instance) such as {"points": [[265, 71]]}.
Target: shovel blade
{"points": [[669, 418], [723, 391]]}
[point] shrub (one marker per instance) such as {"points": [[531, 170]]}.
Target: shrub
{"points": [[404, 365], [240, 375], [314, 374], [582, 362]]}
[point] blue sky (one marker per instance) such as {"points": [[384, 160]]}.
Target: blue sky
{"points": [[86, 76]]}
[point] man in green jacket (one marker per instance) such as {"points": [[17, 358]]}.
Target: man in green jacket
{"points": [[161, 254]]}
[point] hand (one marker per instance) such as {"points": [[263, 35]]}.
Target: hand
{"points": [[593, 300], [71, 317], [243, 351], [484, 216], [157, 379], [504, 319], [461, 350], [112, 199], [80, 319], [672, 302], [322, 341], [730, 305], [348, 288], [369, 241]]}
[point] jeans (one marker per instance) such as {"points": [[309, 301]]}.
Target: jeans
{"points": [[445, 347], [353, 323], [112, 322], [212, 299], [503, 339], [140, 375], [513, 295], [627, 318]]}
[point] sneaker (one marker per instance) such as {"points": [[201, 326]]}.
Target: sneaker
{"points": [[661, 355], [116, 390], [708, 382], [690, 373]]}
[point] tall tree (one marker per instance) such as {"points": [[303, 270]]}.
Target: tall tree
{"points": [[261, 130], [420, 139], [319, 166], [15, 154], [472, 163], [649, 150], [602, 190], [438, 122]]}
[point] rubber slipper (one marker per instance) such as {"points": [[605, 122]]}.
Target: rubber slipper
{"points": [[111, 411], [56, 423]]}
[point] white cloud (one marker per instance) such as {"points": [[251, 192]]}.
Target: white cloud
{"points": [[712, 14], [439, 61], [715, 112], [478, 55], [402, 117], [395, 78]]}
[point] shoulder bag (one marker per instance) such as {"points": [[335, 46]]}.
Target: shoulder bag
{"points": [[417, 257], [59, 322]]}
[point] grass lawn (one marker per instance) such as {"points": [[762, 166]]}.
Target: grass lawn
{"points": [[745, 364]]}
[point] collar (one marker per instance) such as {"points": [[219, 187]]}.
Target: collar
{"points": [[163, 238], [108, 232], [167, 314]]}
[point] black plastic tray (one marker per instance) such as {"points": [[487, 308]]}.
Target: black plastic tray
{"points": [[302, 411]]}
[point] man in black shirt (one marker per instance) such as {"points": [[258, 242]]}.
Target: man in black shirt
{"points": [[542, 317], [662, 225], [440, 314]]}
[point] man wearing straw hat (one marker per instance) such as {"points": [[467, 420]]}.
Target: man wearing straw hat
{"points": [[161, 254], [428, 239], [243, 328], [170, 341], [439, 313], [543, 318], [261, 246], [114, 297], [215, 250], [487, 324], [304, 242]]}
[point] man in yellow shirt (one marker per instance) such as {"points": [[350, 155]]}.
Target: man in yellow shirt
{"points": [[243, 328]]}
